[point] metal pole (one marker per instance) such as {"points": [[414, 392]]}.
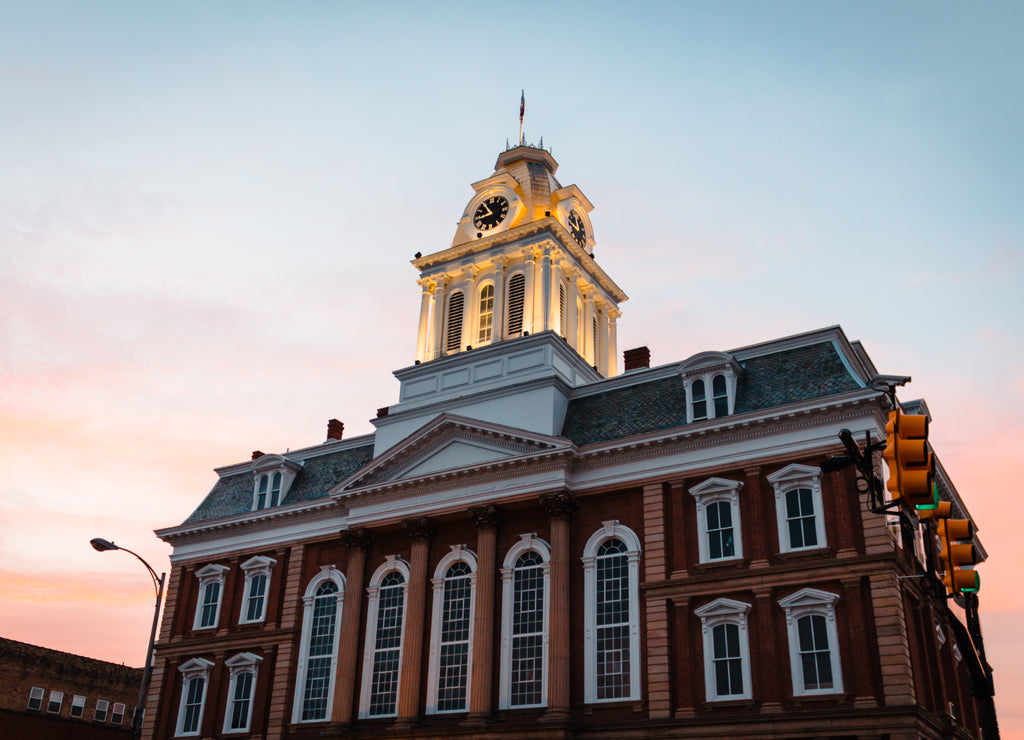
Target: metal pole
{"points": [[147, 671]]}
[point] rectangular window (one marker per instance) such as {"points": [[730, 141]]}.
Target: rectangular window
{"points": [[720, 539], [815, 658], [727, 660], [117, 716], [800, 518], [240, 701], [35, 698], [193, 708], [211, 597], [77, 706], [56, 700], [257, 597], [101, 710]]}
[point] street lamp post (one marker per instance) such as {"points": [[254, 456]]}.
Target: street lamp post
{"points": [[102, 545]]}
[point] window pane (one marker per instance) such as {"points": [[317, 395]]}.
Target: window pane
{"points": [[720, 394], [321, 652], [240, 701], [815, 658], [387, 644], [275, 490], [193, 705], [720, 535], [613, 655], [527, 630], [452, 687], [486, 314], [257, 593]]}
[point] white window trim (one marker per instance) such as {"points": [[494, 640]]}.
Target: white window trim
{"points": [[806, 602], [708, 492], [114, 713], [77, 702], [718, 612], [527, 543], [267, 465], [611, 529], [785, 480], [239, 664], [709, 393], [55, 696], [255, 566], [459, 553], [102, 705], [36, 694], [478, 314], [391, 563], [327, 573], [194, 668], [206, 575]]}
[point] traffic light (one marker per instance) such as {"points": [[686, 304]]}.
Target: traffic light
{"points": [[910, 463], [954, 556], [942, 510]]}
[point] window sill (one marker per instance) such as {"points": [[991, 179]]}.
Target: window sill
{"points": [[806, 554], [723, 563], [744, 703], [822, 698]]}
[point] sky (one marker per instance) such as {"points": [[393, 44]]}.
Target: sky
{"points": [[207, 212]]}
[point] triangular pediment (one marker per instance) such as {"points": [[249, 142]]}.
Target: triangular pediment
{"points": [[447, 444]]}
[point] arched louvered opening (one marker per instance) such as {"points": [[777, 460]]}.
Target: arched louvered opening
{"points": [[561, 309], [453, 332], [516, 294], [486, 323], [580, 327]]}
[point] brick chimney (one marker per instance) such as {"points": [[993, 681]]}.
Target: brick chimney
{"points": [[334, 429], [256, 454], [636, 359]]}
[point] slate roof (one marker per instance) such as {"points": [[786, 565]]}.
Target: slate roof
{"points": [[232, 494], [778, 379]]}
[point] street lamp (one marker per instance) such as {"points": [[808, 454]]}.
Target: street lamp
{"points": [[101, 545]]}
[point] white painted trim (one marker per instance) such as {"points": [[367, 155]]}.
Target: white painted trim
{"points": [[207, 575], [527, 542], [194, 668], [391, 563], [239, 664], [327, 573], [709, 492], [793, 477], [459, 553], [255, 566], [611, 529], [718, 612], [807, 602]]}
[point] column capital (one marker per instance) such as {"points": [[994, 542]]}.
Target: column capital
{"points": [[420, 528], [487, 516], [355, 539], [560, 504]]}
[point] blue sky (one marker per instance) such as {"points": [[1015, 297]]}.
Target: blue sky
{"points": [[206, 210]]}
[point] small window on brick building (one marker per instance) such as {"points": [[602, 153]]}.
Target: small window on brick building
{"points": [[77, 706], [56, 700], [35, 698], [101, 710], [117, 716]]}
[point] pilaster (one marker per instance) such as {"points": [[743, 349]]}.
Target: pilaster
{"points": [[560, 507], [420, 531], [279, 710], [343, 706], [487, 519]]}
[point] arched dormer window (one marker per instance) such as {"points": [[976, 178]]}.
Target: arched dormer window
{"points": [[275, 490], [261, 493], [611, 581], [698, 400], [486, 322], [453, 331], [382, 653], [273, 476], [720, 396], [451, 643], [525, 595], [516, 295]]}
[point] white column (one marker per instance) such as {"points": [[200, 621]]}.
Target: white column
{"points": [[424, 328], [529, 288], [437, 322], [613, 345], [571, 318], [471, 314], [602, 349], [545, 291]]}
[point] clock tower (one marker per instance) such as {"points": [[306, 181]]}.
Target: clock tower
{"points": [[521, 263]]}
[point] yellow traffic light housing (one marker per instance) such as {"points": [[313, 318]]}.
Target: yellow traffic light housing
{"points": [[955, 555], [910, 463]]}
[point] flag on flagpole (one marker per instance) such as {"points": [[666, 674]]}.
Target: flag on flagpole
{"points": [[522, 107]]}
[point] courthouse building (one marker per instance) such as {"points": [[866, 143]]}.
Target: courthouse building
{"points": [[538, 541]]}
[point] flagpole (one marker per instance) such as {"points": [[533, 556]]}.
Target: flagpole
{"points": [[522, 110]]}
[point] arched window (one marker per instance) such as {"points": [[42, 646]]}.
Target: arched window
{"points": [[516, 289], [275, 490], [451, 644], [261, 493], [720, 396], [698, 403], [813, 642], [321, 622], [240, 691], [525, 588], [486, 314], [611, 573], [726, 649], [382, 654], [453, 332]]}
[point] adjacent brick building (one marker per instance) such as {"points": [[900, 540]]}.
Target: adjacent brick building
{"points": [[532, 545], [60, 696]]}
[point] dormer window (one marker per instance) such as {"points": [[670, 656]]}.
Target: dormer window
{"points": [[710, 381], [273, 475], [720, 396], [698, 401]]}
